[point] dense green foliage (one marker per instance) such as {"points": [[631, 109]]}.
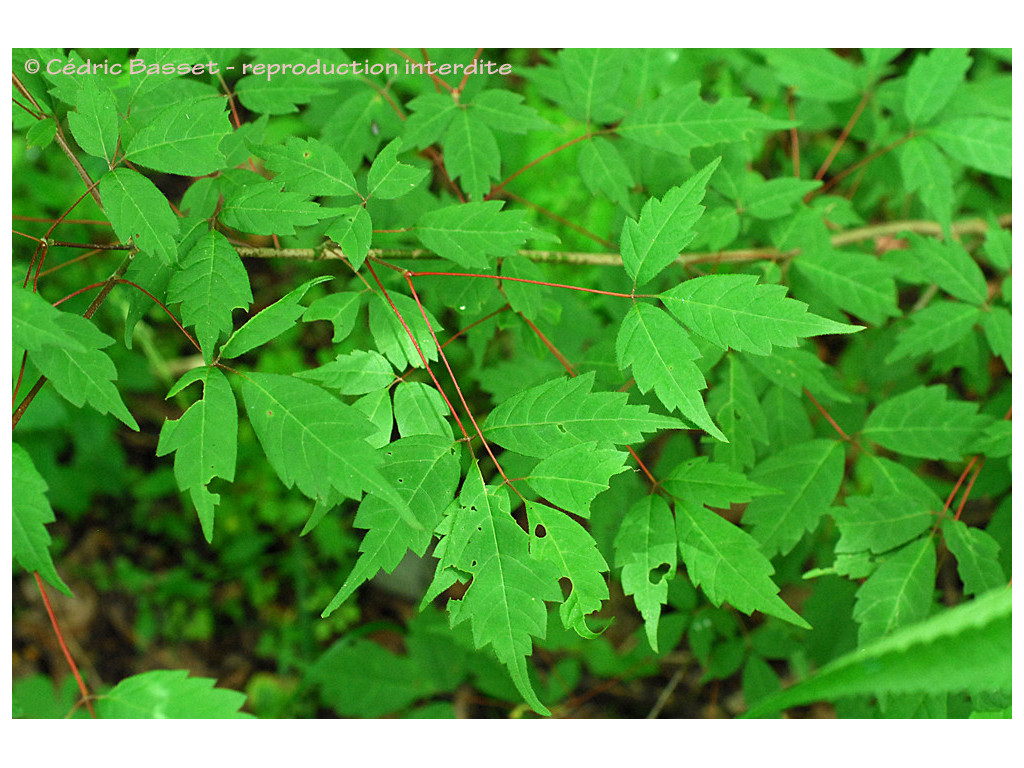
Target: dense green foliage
{"points": [[743, 427]]}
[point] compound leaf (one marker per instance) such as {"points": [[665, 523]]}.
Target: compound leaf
{"points": [[471, 153], [31, 511], [169, 693]]}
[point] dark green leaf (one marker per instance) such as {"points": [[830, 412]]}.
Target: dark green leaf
{"points": [[31, 511], [263, 209]]}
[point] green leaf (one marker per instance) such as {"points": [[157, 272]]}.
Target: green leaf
{"points": [[204, 440], [727, 564], [353, 231], [310, 167], [645, 549], [340, 308], [36, 323], [699, 481], [169, 693], [977, 557], [389, 178], [809, 475], [184, 138], [923, 423], [94, 123], [898, 593], [31, 511], [471, 234], [926, 171], [557, 538], [263, 209], [430, 116], [931, 81], [391, 336], [420, 410], [314, 441], [355, 373], [998, 326], [504, 111], [776, 198], [505, 601], [967, 648], [880, 522], [80, 372], [271, 322], [605, 172], [982, 143], [572, 477], [265, 93], [738, 312], [662, 357], [935, 328], [425, 471], [680, 120], [816, 73], [950, 266], [41, 133], [564, 412], [665, 227], [591, 77], [471, 154], [211, 283], [139, 213], [856, 282]]}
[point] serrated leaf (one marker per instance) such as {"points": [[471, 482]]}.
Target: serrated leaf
{"points": [[572, 477], [340, 308], [662, 357], [926, 171], [420, 410], [680, 120], [204, 440], [353, 231], [279, 95], [931, 80], [376, 407], [795, 370], [977, 557], [950, 266], [727, 564], [935, 328], [169, 693], [430, 115], [898, 593], [316, 442], [591, 77], [739, 411], [816, 73], [504, 111], [184, 138], [699, 481], [263, 209], [41, 133], [856, 282], [809, 475], [309, 166], [505, 601], [271, 322], [880, 522], [645, 549], [735, 311], [391, 336], [355, 373], [998, 325], [82, 374], [31, 511], [425, 471], [979, 142], [776, 198], [604, 171], [665, 227], [574, 552], [471, 154], [35, 322], [139, 213], [388, 178], [564, 412], [211, 283], [471, 234], [94, 123], [923, 423]]}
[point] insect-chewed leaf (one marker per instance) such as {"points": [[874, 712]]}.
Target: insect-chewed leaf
{"points": [[30, 512], [662, 356], [727, 564], [572, 477], [388, 178], [471, 234], [665, 227], [309, 166], [898, 593], [977, 557], [738, 312], [316, 442], [645, 549], [169, 693], [211, 282], [340, 308], [139, 213], [263, 209], [270, 322], [923, 423], [184, 138], [204, 440], [564, 412]]}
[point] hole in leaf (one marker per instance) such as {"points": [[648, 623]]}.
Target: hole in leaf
{"points": [[561, 428], [540, 531], [566, 584], [655, 575]]}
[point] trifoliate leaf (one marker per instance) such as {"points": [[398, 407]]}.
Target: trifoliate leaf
{"points": [[169, 693], [978, 142], [931, 80], [700, 481], [211, 282], [950, 266], [738, 312], [809, 475], [139, 213], [263, 209], [471, 154], [31, 511], [665, 227], [389, 178], [340, 308], [938, 326], [471, 234], [923, 423], [564, 412], [898, 593], [420, 410], [977, 557], [645, 549], [430, 115], [391, 336], [271, 322], [94, 123], [316, 442], [727, 564], [309, 166], [856, 282], [572, 477], [662, 356], [204, 440], [184, 138], [557, 538], [353, 231]]}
